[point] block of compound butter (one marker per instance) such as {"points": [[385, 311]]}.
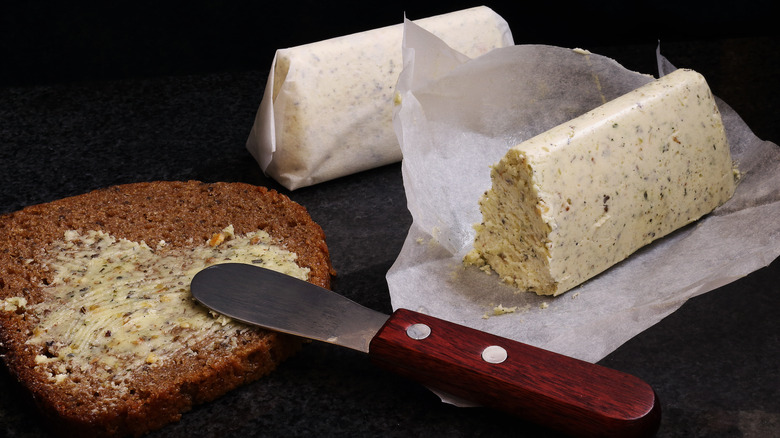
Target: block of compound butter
{"points": [[96, 317], [573, 201], [328, 106]]}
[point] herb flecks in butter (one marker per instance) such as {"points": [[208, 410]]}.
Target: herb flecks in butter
{"points": [[115, 306], [573, 201]]}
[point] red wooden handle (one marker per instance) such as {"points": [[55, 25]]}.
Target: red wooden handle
{"points": [[556, 391]]}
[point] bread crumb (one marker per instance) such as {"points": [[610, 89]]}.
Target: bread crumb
{"points": [[12, 304], [501, 310], [40, 358], [226, 234]]}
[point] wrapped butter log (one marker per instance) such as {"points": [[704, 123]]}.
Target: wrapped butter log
{"points": [[328, 106], [573, 201]]}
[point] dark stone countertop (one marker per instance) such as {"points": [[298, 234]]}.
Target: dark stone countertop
{"points": [[713, 363]]}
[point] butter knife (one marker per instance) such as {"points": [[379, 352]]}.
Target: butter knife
{"points": [[559, 392]]}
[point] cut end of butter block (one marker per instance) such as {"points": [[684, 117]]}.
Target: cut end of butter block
{"points": [[569, 203]]}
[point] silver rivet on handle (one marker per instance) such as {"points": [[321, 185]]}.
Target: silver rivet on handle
{"points": [[494, 354], [418, 331]]}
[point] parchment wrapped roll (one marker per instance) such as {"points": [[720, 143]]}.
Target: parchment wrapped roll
{"points": [[328, 106]]}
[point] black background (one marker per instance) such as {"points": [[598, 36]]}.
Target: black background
{"points": [[116, 92], [44, 42]]}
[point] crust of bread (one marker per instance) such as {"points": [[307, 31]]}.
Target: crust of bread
{"points": [[183, 214]]}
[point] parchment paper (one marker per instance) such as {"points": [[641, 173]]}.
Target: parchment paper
{"points": [[327, 107], [458, 116]]}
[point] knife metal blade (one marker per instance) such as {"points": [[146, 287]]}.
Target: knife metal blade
{"points": [[566, 394], [287, 305]]}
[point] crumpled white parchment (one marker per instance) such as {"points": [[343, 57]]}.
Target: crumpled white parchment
{"points": [[458, 116]]}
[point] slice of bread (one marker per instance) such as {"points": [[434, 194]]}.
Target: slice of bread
{"points": [[136, 367]]}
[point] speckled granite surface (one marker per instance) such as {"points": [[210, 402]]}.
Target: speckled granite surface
{"points": [[713, 362]]}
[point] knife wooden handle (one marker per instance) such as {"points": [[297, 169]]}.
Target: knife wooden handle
{"points": [[566, 394]]}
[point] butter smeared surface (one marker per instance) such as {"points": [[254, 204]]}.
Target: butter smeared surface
{"points": [[115, 305]]}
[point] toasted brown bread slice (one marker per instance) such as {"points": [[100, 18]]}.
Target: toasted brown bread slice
{"points": [[136, 368]]}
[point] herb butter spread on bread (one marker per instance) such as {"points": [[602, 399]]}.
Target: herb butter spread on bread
{"points": [[97, 319]]}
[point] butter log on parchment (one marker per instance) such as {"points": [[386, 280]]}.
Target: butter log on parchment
{"points": [[573, 201], [328, 106]]}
